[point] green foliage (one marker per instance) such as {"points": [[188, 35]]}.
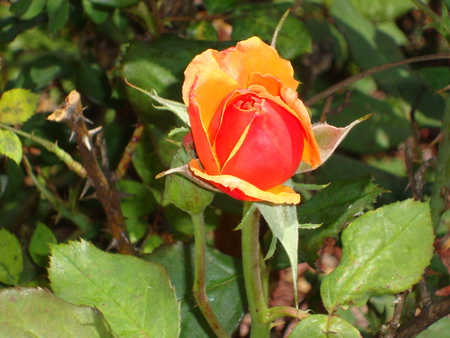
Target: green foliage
{"points": [[334, 207], [321, 326], [58, 12], [50, 47], [35, 307], [17, 106], [263, 21], [379, 262], [224, 286], [11, 258], [10, 145], [39, 247], [135, 296]]}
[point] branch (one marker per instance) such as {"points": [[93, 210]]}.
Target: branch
{"points": [[437, 310], [372, 71], [71, 112]]}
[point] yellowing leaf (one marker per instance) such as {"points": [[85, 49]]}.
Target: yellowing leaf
{"points": [[10, 145], [17, 106]]}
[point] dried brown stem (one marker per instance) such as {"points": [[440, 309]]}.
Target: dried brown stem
{"points": [[437, 310], [372, 71], [71, 113], [129, 152], [395, 322]]}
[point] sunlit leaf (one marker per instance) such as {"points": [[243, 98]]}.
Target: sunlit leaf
{"points": [[10, 145], [135, 296], [322, 326], [17, 106], [28, 312], [384, 252], [282, 221]]}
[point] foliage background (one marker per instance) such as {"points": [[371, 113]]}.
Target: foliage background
{"points": [[52, 47]]}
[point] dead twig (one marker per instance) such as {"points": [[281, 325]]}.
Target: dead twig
{"points": [[71, 112]]}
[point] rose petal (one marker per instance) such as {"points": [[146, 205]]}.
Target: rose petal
{"points": [[271, 151], [289, 100], [254, 56], [201, 140], [245, 191]]}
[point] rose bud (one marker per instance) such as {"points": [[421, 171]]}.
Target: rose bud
{"points": [[250, 130]]}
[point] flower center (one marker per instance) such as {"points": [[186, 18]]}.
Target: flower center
{"points": [[249, 103]]}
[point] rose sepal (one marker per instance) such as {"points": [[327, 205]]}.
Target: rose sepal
{"points": [[328, 139]]}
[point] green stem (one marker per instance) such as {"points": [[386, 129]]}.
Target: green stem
{"points": [[200, 276], [52, 147], [439, 202], [252, 275]]}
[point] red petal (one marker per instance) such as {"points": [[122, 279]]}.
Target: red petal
{"points": [[271, 151]]}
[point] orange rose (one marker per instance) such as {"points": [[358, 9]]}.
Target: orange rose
{"points": [[250, 130]]}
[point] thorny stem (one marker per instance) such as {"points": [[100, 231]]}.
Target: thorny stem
{"points": [[252, 275], [200, 276], [395, 322], [372, 71], [423, 320], [71, 113]]}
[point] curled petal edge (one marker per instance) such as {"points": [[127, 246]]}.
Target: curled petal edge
{"points": [[243, 190]]}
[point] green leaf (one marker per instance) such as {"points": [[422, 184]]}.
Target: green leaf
{"points": [[39, 248], [384, 252], [27, 9], [135, 296], [28, 312], [322, 326], [183, 193], [11, 146], [334, 207], [219, 6], [58, 13], [115, 3], [11, 258], [224, 287], [382, 10], [386, 129], [369, 47], [282, 221], [262, 19], [160, 66], [328, 138], [93, 81], [17, 106], [96, 12], [138, 200]]}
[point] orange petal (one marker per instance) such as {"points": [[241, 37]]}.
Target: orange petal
{"points": [[207, 86], [242, 190], [201, 140], [254, 56], [311, 152]]}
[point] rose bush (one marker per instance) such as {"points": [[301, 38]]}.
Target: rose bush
{"points": [[250, 130]]}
